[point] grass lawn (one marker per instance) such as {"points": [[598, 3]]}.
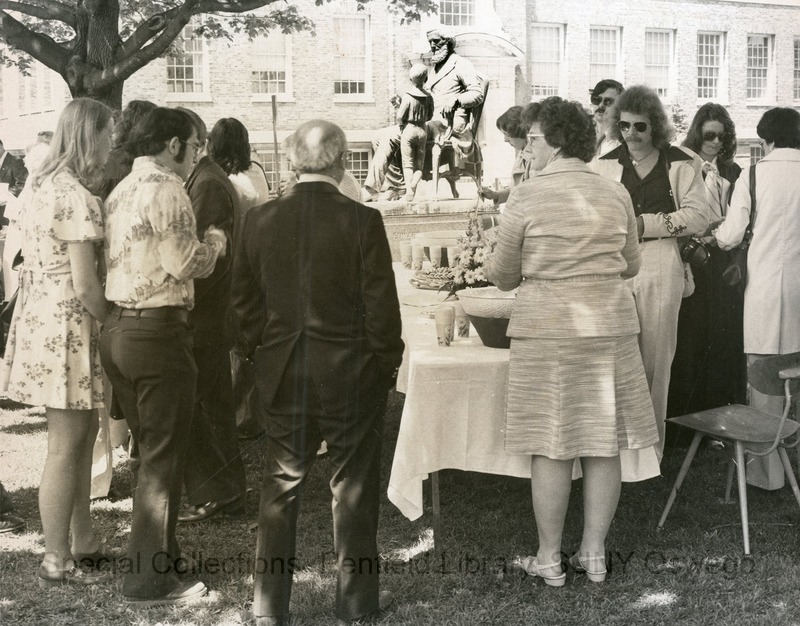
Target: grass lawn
{"points": [[691, 573]]}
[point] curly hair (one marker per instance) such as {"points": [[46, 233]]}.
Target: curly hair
{"points": [[642, 100], [712, 112], [566, 125], [229, 145], [780, 125], [512, 124], [132, 113]]}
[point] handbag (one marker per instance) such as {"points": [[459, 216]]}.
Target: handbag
{"points": [[735, 275]]}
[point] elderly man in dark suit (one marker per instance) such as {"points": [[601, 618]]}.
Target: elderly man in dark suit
{"points": [[213, 479], [315, 298], [12, 173]]}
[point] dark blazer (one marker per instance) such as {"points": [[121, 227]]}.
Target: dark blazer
{"points": [[215, 202], [14, 173], [313, 287]]}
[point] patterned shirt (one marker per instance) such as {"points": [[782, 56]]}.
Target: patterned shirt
{"points": [[151, 245]]}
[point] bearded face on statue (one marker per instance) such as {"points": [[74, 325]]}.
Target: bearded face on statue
{"points": [[441, 46]]}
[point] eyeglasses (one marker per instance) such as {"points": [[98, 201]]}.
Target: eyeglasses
{"points": [[197, 146], [606, 102], [532, 136], [624, 126], [710, 135]]}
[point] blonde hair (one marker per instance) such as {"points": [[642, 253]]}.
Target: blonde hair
{"points": [[74, 145]]}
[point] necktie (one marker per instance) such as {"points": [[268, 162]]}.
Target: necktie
{"points": [[714, 191]]}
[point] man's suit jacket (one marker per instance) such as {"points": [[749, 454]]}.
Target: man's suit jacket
{"points": [[214, 202], [314, 292], [456, 79], [13, 172]]}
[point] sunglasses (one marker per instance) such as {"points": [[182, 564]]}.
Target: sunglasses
{"points": [[606, 102], [626, 126], [710, 135]]}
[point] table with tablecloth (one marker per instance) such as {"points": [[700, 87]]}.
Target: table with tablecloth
{"points": [[454, 411]]}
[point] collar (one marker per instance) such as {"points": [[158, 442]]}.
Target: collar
{"points": [[447, 66], [565, 164], [318, 178], [783, 154], [143, 162], [3, 158], [674, 153]]}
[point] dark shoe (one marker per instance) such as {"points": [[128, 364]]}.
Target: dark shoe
{"points": [[385, 601], [104, 555], [200, 512], [75, 575], [184, 593], [10, 523]]}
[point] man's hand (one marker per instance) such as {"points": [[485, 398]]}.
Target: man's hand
{"points": [[216, 237]]}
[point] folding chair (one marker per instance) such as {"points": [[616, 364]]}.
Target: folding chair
{"points": [[752, 432]]}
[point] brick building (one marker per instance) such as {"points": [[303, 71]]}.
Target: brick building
{"points": [[745, 55]]}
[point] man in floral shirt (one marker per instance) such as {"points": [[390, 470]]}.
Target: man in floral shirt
{"points": [[153, 253]]}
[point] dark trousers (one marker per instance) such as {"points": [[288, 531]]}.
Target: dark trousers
{"points": [[152, 370], [354, 452], [214, 469]]}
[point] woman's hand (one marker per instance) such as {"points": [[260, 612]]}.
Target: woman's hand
{"points": [[488, 192]]}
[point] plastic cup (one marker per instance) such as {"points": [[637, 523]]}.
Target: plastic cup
{"points": [[452, 252], [436, 255], [405, 254], [417, 256], [444, 316]]}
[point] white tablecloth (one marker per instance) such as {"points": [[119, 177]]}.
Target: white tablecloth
{"points": [[454, 411]]}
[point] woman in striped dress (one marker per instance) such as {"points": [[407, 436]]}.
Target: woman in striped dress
{"points": [[577, 387]]}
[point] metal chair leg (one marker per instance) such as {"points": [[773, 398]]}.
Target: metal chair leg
{"points": [[698, 436], [729, 481], [787, 466], [436, 154], [437, 517], [742, 483]]}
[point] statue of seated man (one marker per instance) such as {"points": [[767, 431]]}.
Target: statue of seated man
{"points": [[456, 88]]}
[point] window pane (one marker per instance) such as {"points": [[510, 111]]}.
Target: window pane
{"points": [[545, 60], [350, 60], [185, 69], [457, 12], [797, 69], [266, 158], [758, 54], [756, 153], [657, 60], [270, 64], [359, 164], [709, 60], [602, 54]]}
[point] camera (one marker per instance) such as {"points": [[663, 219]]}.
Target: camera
{"points": [[694, 252]]}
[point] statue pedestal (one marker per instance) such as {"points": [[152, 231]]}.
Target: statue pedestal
{"points": [[403, 220]]}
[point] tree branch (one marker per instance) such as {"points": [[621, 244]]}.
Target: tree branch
{"points": [[43, 9], [231, 6], [146, 31], [40, 47]]}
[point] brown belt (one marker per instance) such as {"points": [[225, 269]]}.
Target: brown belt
{"points": [[168, 313]]}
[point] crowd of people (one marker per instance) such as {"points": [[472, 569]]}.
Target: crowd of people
{"points": [[156, 257]]}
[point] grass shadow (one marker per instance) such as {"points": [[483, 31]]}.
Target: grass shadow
{"points": [[25, 428]]}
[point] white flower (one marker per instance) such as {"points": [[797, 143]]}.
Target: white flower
{"points": [[469, 276], [480, 254], [479, 275]]}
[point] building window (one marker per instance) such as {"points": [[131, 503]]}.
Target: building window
{"points": [[756, 152], [709, 65], [759, 66], [186, 69], [265, 155], [358, 164], [272, 65], [797, 68], [457, 12], [546, 57], [658, 60], [603, 53], [351, 62]]}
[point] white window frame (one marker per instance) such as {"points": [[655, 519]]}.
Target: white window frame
{"points": [[205, 72], [796, 67], [615, 73], [364, 157], [367, 96], [721, 94], [768, 97], [669, 94], [539, 91], [257, 51], [464, 16]]}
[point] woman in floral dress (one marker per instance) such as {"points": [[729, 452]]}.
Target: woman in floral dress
{"points": [[51, 359]]}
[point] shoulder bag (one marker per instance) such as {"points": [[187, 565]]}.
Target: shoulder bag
{"points": [[735, 275]]}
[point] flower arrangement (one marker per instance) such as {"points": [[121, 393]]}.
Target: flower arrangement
{"points": [[473, 251]]}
